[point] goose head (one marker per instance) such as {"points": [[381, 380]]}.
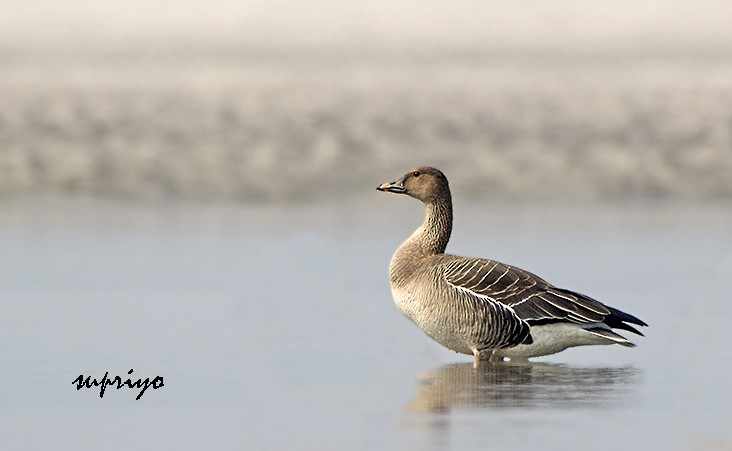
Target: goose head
{"points": [[424, 183]]}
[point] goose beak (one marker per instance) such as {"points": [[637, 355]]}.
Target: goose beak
{"points": [[396, 186]]}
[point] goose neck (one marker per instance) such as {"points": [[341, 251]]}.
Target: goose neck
{"points": [[432, 236]]}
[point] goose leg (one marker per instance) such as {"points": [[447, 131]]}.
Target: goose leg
{"points": [[483, 356], [478, 358], [494, 358]]}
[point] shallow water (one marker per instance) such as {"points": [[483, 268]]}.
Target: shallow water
{"points": [[273, 328]]}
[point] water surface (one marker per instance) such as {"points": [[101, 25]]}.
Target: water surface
{"points": [[273, 328]]}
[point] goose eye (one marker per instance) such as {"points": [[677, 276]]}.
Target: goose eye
{"points": [[415, 173]]}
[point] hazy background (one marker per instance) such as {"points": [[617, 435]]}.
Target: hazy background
{"points": [[289, 100]]}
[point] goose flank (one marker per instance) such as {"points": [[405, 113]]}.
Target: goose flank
{"points": [[482, 307]]}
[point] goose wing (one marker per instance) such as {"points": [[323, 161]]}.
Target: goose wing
{"points": [[532, 298]]}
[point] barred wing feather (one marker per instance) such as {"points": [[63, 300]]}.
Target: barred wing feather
{"points": [[532, 298]]}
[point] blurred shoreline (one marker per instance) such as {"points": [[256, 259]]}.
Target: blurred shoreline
{"points": [[269, 134], [576, 106]]}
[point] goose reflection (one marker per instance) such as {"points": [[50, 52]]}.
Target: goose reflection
{"points": [[522, 385]]}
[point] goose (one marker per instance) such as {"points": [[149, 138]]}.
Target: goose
{"points": [[482, 307]]}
